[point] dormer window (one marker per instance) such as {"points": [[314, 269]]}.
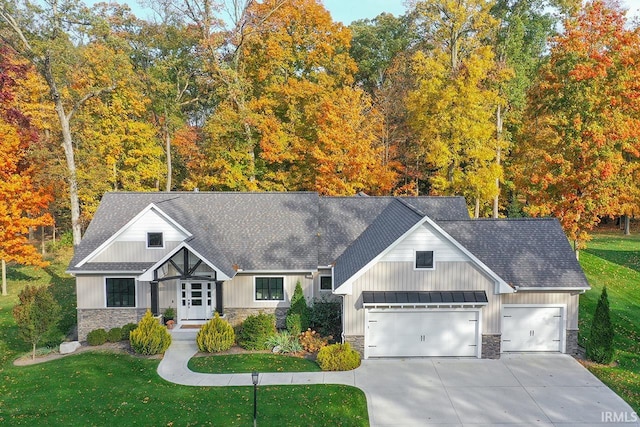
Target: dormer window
{"points": [[424, 260], [155, 240]]}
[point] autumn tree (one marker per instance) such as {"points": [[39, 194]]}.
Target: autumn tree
{"points": [[581, 124], [22, 204], [453, 105]]}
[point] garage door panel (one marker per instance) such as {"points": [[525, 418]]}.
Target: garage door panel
{"points": [[406, 333], [532, 329]]}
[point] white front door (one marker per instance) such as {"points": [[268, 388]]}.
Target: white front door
{"points": [[406, 333], [532, 328], [196, 300]]}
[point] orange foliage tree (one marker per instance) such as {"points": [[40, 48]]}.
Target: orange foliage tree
{"points": [[581, 146], [22, 206]]}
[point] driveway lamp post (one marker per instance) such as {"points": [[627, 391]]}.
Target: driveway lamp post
{"points": [[254, 378]]}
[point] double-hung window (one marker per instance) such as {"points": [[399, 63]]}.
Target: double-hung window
{"points": [[269, 289]]}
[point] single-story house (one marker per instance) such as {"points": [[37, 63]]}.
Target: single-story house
{"points": [[416, 276]]}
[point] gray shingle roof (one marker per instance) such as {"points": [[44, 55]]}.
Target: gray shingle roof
{"points": [[301, 231], [531, 252], [394, 221]]}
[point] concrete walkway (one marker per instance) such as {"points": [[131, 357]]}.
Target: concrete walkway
{"points": [[517, 390]]}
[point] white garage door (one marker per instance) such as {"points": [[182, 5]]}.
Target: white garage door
{"points": [[404, 333], [532, 328]]}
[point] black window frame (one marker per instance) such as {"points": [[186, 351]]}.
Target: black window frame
{"points": [[271, 288], [120, 294], [323, 279], [422, 263], [151, 234]]}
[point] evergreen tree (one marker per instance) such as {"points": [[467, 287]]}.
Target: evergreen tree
{"points": [[600, 345], [298, 316]]}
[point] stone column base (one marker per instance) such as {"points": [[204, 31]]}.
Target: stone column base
{"points": [[572, 342], [491, 346], [356, 342]]}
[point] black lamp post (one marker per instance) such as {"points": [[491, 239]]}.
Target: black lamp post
{"points": [[254, 378]]}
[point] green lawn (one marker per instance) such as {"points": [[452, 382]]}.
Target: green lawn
{"points": [[613, 260], [245, 363], [105, 389]]}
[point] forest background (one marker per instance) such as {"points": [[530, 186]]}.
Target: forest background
{"points": [[524, 107]]}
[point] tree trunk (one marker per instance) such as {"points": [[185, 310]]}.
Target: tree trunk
{"points": [[477, 210], [167, 141], [496, 199], [4, 278], [33, 353], [627, 225], [67, 145]]}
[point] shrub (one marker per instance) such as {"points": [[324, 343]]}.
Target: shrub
{"points": [[97, 337], [114, 335], [150, 337], [284, 342], [600, 345], [293, 324], [297, 324], [216, 335], [255, 331], [338, 357], [326, 317], [311, 341], [126, 330]]}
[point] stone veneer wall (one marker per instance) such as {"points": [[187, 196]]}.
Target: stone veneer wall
{"points": [[491, 346], [357, 343], [106, 318], [235, 316], [572, 342]]}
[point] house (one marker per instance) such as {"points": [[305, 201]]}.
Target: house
{"points": [[416, 276]]}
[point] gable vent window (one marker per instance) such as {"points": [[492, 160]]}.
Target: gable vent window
{"points": [[424, 260], [155, 240]]}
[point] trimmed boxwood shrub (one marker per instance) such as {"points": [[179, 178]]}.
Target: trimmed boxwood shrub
{"points": [[97, 337], [216, 335], [150, 337], [126, 330], [114, 335], [255, 331], [338, 357]]}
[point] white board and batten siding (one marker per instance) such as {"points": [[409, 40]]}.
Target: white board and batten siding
{"points": [[240, 291], [424, 239], [401, 276], [91, 291], [131, 244]]}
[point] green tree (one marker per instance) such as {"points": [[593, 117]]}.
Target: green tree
{"points": [[600, 345], [36, 314], [298, 315]]}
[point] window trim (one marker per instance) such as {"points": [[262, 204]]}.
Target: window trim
{"points": [[149, 233], [320, 283], [135, 291], [415, 260], [284, 289]]}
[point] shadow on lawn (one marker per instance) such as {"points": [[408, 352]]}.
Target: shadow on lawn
{"points": [[629, 259]]}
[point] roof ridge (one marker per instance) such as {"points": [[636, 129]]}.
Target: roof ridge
{"points": [[413, 208]]}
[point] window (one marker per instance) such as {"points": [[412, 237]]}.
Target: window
{"points": [[424, 259], [155, 240], [121, 292], [269, 288], [325, 283]]}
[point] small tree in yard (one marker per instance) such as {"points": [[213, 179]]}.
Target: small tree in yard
{"points": [[298, 314], [600, 344], [36, 314]]}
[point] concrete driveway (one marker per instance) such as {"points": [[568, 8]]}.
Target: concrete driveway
{"points": [[517, 390]]}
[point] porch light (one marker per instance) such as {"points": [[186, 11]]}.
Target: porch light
{"points": [[254, 379]]}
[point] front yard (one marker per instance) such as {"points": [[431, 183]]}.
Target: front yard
{"points": [[613, 260], [105, 388]]}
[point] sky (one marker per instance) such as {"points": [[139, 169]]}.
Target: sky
{"points": [[347, 11]]}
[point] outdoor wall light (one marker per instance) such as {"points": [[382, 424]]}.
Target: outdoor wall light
{"points": [[254, 379]]}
